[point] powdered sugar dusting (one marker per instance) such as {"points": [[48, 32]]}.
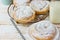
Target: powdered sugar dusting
{"points": [[45, 28], [24, 12], [21, 1], [38, 5]]}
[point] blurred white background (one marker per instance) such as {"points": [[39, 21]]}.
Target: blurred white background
{"points": [[7, 31], [4, 18]]}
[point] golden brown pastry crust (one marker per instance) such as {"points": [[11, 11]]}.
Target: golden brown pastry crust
{"points": [[46, 38], [50, 37], [35, 34], [25, 20], [44, 11]]}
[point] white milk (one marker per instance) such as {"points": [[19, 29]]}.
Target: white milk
{"points": [[55, 12]]}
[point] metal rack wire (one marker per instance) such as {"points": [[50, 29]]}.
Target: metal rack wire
{"points": [[12, 20]]}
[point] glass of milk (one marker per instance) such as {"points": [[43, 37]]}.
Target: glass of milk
{"points": [[55, 12]]}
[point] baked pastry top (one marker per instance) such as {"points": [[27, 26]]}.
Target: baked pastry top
{"points": [[20, 2], [24, 13], [43, 30], [40, 6]]}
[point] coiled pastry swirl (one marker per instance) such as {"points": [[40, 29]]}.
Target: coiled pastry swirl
{"points": [[43, 30]]}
